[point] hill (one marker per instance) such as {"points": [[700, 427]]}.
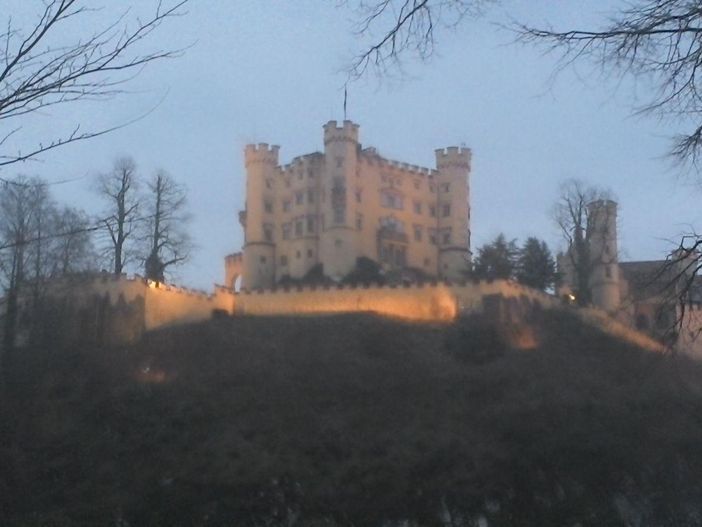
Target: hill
{"points": [[353, 420]]}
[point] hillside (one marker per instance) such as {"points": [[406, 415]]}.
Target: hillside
{"points": [[355, 421]]}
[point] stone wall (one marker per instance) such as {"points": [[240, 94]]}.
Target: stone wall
{"points": [[435, 301]]}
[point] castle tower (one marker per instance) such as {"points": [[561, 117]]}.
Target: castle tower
{"points": [[453, 211], [604, 262], [259, 245], [338, 239]]}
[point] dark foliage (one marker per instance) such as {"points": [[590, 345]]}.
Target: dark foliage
{"points": [[497, 259], [535, 265], [366, 271], [269, 421]]}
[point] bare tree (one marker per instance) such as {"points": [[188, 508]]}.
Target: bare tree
{"points": [[572, 213], [34, 240], [72, 245], [119, 189], [168, 241], [400, 27], [50, 64], [659, 41]]}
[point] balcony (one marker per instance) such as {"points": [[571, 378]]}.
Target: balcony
{"points": [[392, 235]]}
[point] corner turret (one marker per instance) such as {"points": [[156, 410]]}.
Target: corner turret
{"points": [[604, 260]]}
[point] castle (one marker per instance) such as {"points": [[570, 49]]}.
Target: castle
{"points": [[325, 210]]}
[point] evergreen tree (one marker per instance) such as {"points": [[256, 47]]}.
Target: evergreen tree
{"points": [[535, 265], [496, 259]]}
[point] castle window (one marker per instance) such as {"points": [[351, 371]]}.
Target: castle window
{"points": [[606, 249], [359, 221], [286, 205], [391, 199], [286, 231], [432, 188], [310, 173], [339, 215], [310, 224], [432, 236], [283, 260], [268, 206], [298, 228], [432, 211], [427, 262], [446, 210], [337, 243], [416, 184], [299, 175], [299, 198], [417, 207], [269, 184], [446, 237], [287, 182], [417, 233], [262, 259], [310, 196], [268, 233], [339, 162], [400, 255], [310, 253], [446, 187], [359, 196], [298, 255], [608, 271], [392, 224]]}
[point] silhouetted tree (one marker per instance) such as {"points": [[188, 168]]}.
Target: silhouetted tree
{"points": [[496, 259], [168, 240], [366, 271], [50, 62], [118, 189], [535, 265]]}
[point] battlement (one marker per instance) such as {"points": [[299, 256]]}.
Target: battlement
{"points": [[453, 156], [234, 258], [261, 153], [348, 131]]}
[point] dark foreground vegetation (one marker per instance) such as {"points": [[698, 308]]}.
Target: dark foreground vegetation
{"points": [[352, 421]]}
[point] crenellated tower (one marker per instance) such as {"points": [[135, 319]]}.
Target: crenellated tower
{"points": [[453, 211], [604, 261], [338, 238], [259, 247]]}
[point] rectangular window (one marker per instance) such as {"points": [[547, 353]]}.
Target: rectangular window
{"points": [[286, 231], [310, 253], [310, 196], [298, 228], [286, 205], [446, 187], [446, 210], [268, 233], [416, 184], [310, 173], [432, 188], [268, 206], [269, 184], [358, 196], [446, 237], [432, 211], [339, 162], [359, 221], [400, 255], [417, 233], [432, 236], [391, 200], [299, 198], [417, 207], [339, 215], [283, 260], [310, 224]]}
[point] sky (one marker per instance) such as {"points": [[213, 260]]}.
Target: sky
{"points": [[273, 71]]}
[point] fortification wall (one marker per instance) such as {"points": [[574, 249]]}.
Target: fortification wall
{"points": [[167, 305], [437, 301]]}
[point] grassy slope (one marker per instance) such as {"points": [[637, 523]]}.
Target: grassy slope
{"points": [[353, 418]]}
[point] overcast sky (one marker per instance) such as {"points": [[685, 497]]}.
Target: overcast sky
{"points": [[273, 71]]}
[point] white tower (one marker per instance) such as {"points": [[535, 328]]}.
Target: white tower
{"points": [[604, 262]]}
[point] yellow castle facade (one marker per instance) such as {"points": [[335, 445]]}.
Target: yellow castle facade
{"points": [[328, 209]]}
